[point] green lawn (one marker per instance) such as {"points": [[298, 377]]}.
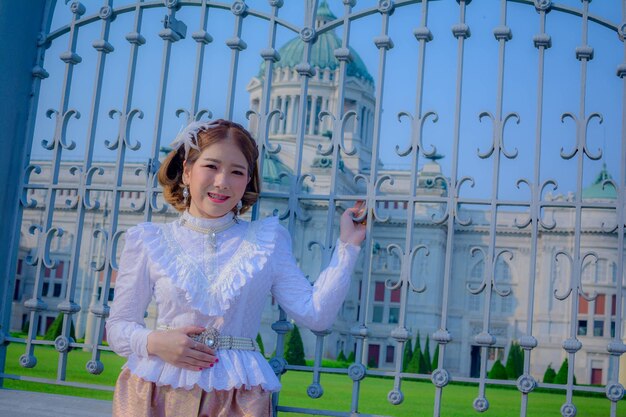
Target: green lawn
{"points": [[419, 396]]}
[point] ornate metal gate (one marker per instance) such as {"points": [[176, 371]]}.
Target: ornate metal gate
{"points": [[518, 245]]}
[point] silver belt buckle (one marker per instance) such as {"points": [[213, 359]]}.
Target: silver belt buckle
{"points": [[209, 337]]}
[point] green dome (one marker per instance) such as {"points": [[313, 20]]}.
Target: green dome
{"points": [[322, 51], [599, 191]]}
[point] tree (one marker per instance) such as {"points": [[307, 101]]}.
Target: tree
{"points": [[259, 341], [515, 361], [294, 348], [414, 364], [427, 360], [498, 371], [435, 362], [549, 375], [341, 357], [407, 355], [561, 376], [56, 327]]}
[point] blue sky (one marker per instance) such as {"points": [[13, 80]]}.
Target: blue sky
{"points": [[604, 92]]}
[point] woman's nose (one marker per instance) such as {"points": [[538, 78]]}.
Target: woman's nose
{"points": [[221, 179]]}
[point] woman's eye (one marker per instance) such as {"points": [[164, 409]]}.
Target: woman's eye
{"points": [[238, 173], [211, 166]]}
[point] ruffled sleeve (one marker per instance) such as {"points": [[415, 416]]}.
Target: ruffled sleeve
{"points": [[126, 331], [313, 306]]}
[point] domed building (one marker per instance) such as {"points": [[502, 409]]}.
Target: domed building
{"points": [[323, 94]]}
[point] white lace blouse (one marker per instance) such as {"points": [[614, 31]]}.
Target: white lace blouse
{"points": [[224, 286]]}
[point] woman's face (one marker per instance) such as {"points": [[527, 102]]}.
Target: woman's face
{"points": [[217, 179]]}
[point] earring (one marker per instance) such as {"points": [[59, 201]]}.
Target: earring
{"points": [[186, 195]]}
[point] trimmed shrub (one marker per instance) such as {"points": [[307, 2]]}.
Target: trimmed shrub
{"points": [[498, 371], [435, 361], [549, 375], [259, 341], [515, 361], [56, 327], [351, 357], [294, 348], [561, 376], [407, 355], [427, 360], [341, 357]]}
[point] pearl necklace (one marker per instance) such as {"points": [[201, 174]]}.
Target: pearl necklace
{"points": [[210, 231]]}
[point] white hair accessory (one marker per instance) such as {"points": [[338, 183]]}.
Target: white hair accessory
{"points": [[188, 136]]}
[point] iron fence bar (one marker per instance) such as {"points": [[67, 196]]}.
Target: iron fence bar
{"points": [[440, 376], [526, 383], [485, 339], [202, 38], [337, 121], [270, 55], [46, 230], [236, 44], [306, 71], [383, 42], [82, 202], [99, 307], [572, 345], [405, 284]]}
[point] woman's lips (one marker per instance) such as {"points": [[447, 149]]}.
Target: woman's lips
{"points": [[218, 198]]}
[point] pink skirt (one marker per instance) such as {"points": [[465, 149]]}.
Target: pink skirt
{"points": [[135, 397]]}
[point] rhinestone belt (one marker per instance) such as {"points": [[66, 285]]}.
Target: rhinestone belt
{"points": [[212, 338]]}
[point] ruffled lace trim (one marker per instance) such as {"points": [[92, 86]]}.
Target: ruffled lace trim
{"points": [[235, 369], [210, 296]]}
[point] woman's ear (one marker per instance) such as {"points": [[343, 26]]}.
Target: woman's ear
{"points": [[186, 170]]}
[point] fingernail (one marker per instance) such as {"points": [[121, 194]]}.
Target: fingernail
{"points": [[211, 366], [200, 369], [217, 360]]}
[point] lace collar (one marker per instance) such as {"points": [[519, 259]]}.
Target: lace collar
{"points": [[206, 223]]}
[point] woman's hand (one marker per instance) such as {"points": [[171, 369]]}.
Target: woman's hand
{"points": [[349, 230], [177, 348]]}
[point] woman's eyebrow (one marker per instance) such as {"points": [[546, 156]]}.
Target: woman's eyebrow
{"points": [[219, 162]]}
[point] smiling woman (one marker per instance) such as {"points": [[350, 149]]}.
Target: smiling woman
{"points": [[210, 274]]}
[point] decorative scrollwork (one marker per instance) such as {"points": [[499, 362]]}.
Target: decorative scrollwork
{"points": [[94, 367], [395, 397], [315, 390], [526, 383], [440, 377], [124, 129], [77, 8], [543, 5], [615, 391], [308, 34], [339, 127], [278, 365], [239, 8], [417, 128], [356, 371], [481, 404], [105, 12], [581, 136], [62, 343], [385, 6], [28, 361], [568, 410], [60, 129], [170, 4]]}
